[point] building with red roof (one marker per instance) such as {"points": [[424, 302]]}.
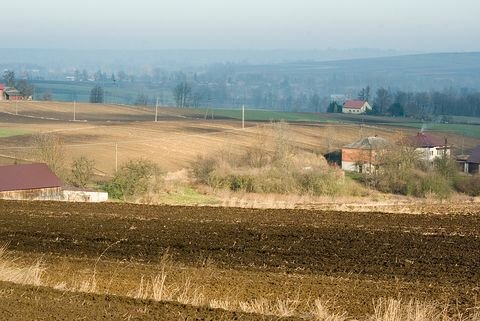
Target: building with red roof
{"points": [[427, 146], [356, 107], [29, 182]]}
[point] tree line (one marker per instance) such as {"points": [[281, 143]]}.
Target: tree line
{"points": [[423, 104]]}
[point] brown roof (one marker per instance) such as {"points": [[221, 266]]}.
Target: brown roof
{"points": [[424, 140], [475, 155], [26, 177], [369, 143], [354, 104]]}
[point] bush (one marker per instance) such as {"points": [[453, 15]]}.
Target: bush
{"points": [[134, 179], [273, 165], [469, 185]]}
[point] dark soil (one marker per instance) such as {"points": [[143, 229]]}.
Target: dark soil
{"points": [[415, 247], [436, 256]]}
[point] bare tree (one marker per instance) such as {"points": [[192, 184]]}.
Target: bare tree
{"points": [[50, 149], [9, 78], [81, 172], [182, 94]]}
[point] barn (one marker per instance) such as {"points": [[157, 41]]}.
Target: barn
{"points": [[29, 182]]}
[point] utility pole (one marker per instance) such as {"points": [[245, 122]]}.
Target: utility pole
{"points": [[16, 106], [156, 111], [116, 157], [74, 110], [243, 116]]}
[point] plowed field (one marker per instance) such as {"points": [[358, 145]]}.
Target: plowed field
{"points": [[364, 255]]}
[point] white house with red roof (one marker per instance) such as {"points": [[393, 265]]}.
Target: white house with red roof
{"points": [[2, 89], [428, 147], [356, 107]]}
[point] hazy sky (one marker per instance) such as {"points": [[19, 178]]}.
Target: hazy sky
{"points": [[420, 25]]}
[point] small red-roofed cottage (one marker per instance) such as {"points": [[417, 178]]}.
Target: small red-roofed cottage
{"points": [[2, 90], [356, 107]]}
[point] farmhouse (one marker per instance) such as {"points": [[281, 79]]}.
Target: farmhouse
{"points": [[364, 155], [356, 107], [10, 93], [29, 182], [428, 147]]}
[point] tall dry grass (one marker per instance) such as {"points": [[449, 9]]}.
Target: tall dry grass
{"points": [[12, 271], [162, 287]]}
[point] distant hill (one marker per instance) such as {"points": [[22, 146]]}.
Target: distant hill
{"points": [[410, 72]]}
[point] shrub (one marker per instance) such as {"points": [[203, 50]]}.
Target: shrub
{"points": [[134, 179], [469, 185]]}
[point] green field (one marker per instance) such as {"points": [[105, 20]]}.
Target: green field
{"points": [[462, 129], [264, 115], [7, 132]]}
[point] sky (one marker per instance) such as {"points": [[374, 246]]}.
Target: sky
{"points": [[416, 25]]}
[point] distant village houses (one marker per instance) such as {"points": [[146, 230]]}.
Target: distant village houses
{"points": [[356, 107]]}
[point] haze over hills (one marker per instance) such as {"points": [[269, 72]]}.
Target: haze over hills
{"points": [[113, 60]]}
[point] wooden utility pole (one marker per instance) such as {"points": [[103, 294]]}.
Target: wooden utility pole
{"points": [[156, 111], [74, 110], [243, 116]]}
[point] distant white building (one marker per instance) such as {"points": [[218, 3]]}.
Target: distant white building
{"points": [[428, 147], [356, 107], [79, 195]]}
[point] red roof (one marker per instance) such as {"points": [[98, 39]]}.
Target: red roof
{"points": [[424, 140], [354, 104], [26, 177], [2, 86]]}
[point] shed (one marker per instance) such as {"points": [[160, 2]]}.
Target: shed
{"points": [[473, 161], [29, 182]]}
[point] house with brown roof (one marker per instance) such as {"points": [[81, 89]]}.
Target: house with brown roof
{"points": [[470, 163], [356, 107], [364, 155], [427, 146], [29, 182], [10, 93]]}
